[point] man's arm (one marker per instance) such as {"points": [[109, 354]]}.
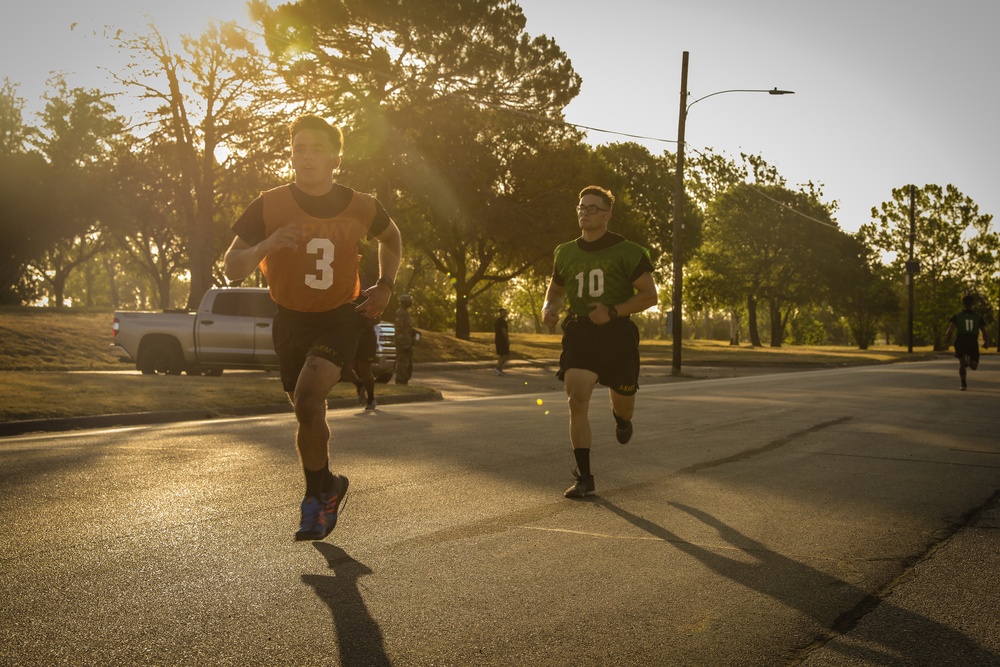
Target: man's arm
{"points": [[242, 259], [553, 302], [949, 332], [390, 253]]}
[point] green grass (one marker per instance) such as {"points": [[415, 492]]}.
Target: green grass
{"points": [[51, 363]]}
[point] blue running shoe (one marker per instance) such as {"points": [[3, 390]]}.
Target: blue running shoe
{"points": [[319, 515], [310, 511]]}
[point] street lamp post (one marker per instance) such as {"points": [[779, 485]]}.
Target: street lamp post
{"points": [[912, 269], [679, 196]]}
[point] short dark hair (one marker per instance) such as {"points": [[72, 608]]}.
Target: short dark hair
{"points": [[969, 300], [603, 193], [317, 123]]}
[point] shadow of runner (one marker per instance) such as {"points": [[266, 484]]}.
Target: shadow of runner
{"points": [[915, 639], [358, 635]]}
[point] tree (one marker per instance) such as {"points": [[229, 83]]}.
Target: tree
{"points": [[952, 241], [15, 135], [646, 184], [479, 209], [24, 202], [147, 225], [79, 129], [862, 290], [434, 96], [770, 245], [709, 176], [218, 95]]}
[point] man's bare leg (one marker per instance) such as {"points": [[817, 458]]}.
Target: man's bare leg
{"points": [[579, 385]]}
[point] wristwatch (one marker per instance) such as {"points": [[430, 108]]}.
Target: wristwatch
{"points": [[612, 312]]}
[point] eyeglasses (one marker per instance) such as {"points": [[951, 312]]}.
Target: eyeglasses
{"points": [[591, 210]]}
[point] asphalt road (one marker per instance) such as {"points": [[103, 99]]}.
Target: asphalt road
{"points": [[837, 517]]}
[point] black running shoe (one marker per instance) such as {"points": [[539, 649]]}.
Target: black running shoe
{"points": [[623, 429], [584, 486]]}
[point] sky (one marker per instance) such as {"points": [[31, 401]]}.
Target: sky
{"points": [[887, 92]]}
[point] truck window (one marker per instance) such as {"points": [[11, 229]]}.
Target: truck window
{"points": [[243, 304]]}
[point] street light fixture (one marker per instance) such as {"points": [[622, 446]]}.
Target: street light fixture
{"points": [[676, 329]]}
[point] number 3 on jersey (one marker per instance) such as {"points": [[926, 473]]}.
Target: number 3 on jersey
{"points": [[323, 278], [594, 283]]}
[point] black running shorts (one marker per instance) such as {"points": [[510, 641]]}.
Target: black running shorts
{"points": [[967, 346], [611, 350], [332, 335]]}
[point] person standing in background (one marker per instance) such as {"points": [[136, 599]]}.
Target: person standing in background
{"points": [[361, 373], [501, 341], [404, 340]]}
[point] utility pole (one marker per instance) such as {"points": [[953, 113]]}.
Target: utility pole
{"points": [[678, 248]]}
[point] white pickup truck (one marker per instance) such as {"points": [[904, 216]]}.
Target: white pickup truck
{"points": [[231, 329]]}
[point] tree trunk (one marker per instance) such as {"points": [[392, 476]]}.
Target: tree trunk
{"points": [[777, 325], [462, 327], [752, 321], [734, 328], [59, 287], [112, 283], [202, 251]]}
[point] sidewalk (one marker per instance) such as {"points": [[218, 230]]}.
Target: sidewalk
{"points": [[486, 385]]}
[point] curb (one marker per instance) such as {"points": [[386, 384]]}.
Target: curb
{"points": [[171, 416]]}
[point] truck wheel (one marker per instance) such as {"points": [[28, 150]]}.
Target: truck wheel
{"points": [[160, 357], [383, 377]]}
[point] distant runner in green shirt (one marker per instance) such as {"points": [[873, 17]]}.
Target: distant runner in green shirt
{"points": [[603, 278], [968, 324]]}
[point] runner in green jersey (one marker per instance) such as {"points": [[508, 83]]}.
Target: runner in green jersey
{"points": [[968, 324], [604, 279]]}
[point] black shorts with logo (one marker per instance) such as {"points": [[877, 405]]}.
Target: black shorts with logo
{"points": [[332, 335], [611, 350]]}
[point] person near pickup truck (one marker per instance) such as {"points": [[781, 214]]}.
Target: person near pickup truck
{"points": [[304, 236], [404, 340], [501, 341], [361, 374]]}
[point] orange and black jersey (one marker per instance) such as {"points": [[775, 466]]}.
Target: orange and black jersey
{"points": [[322, 273]]}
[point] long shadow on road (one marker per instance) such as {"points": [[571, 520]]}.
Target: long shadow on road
{"points": [[358, 635], [919, 641]]}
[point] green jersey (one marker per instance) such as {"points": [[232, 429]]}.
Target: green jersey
{"points": [[967, 324], [601, 271]]}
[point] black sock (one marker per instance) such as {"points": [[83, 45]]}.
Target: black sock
{"points": [[619, 420], [318, 481], [582, 455], [370, 389]]}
